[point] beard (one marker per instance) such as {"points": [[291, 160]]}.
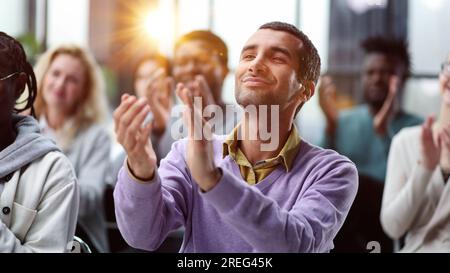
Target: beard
{"points": [[376, 96], [246, 97]]}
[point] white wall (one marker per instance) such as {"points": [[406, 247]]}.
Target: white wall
{"points": [[236, 20], [68, 21], [193, 15], [12, 17]]}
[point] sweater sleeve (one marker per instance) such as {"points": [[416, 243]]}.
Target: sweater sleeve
{"points": [[309, 226], [147, 211], [404, 190]]}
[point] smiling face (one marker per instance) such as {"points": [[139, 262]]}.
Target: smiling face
{"points": [[444, 82], [146, 72], [267, 70], [64, 84], [195, 57]]}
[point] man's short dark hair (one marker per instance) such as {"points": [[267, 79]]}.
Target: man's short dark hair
{"points": [[210, 38], [397, 49], [309, 59]]}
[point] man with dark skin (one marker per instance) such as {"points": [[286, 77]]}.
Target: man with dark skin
{"points": [[38, 188], [385, 71], [364, 134], [200, 62]]}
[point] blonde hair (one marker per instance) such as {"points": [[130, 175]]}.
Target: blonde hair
{"points": [[93, 107]]}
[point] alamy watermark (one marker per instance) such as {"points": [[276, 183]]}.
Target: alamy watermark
{"points": [[264, 124]]}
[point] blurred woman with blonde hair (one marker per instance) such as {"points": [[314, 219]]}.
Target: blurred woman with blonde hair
{"points": [[70, 107], [416, 197]]}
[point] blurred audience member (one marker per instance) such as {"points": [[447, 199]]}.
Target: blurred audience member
{"points": [[416, 200], [364, 135], [70, 106], [152, 81], [201, 63]]}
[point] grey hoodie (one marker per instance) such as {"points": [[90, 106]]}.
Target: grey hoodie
{"points": [[28, 146]]}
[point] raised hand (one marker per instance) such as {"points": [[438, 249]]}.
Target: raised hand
{"points": [[444, 136], [382, 118], [134, 136], [160, 101], [430, 145], [328, 102], [200, 154], [200, 88]]}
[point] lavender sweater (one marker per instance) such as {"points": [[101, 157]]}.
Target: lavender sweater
{"points": [[299, 211]]}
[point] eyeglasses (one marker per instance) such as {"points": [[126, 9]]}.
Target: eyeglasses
{"points": [[9, 76], [445, 68]]}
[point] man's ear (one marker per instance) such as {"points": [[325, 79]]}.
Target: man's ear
{"points": [[307, 90], [21, 81]]}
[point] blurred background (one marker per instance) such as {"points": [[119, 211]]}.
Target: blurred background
{"points": [[118, 32]]}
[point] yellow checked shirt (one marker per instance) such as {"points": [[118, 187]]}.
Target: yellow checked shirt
{"points": [[254, 174]]}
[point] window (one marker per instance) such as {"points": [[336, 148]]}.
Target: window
{"points": [[429, 41]]}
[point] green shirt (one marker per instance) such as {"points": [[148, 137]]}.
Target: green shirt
{"points": [[356, 138]]}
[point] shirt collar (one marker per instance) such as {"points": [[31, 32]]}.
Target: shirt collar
{"points": [[286, 155]]}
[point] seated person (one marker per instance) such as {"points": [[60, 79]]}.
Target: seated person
{"points": [[70, 106], [241, 193], [416, 199], [200, 61], [152, 81], [364, 134], [38, 191]]}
